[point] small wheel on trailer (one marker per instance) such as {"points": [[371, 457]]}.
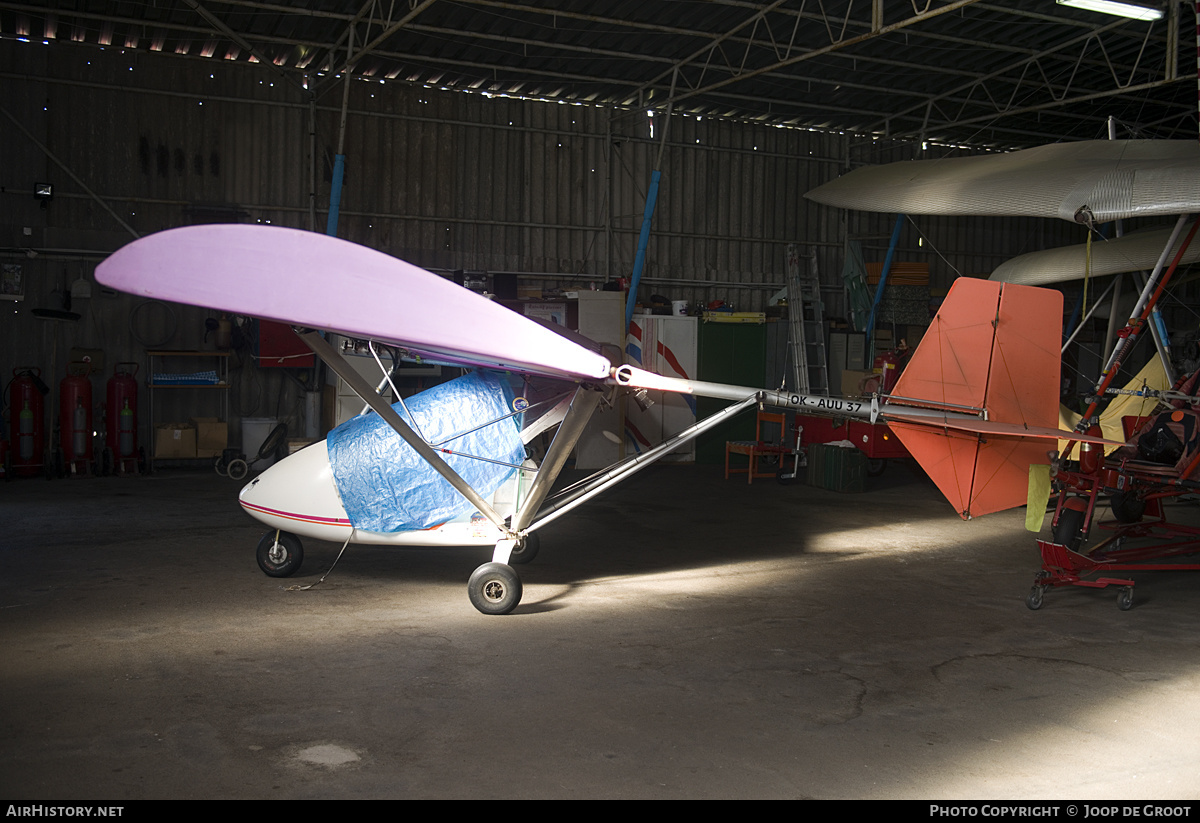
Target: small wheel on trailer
{"points": [[1125, 598], [237, 469], [784, 477], [526, 549], [219, 465], [494, 588], [279, 554], [1034, 599]]}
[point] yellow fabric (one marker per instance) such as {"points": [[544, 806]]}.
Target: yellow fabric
{"points": [[1122, 405], [1039, 495]]}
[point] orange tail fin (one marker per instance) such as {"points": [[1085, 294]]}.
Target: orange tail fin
{"points": [[992, 346]]}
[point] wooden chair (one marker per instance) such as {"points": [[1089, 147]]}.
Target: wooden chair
{"points": [[761, 447]]}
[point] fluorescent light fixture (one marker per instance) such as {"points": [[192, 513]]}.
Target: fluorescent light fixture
{"points": [[1117, 7]]}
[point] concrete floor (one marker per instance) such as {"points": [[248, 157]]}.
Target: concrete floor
{"points": [[682, 636]]}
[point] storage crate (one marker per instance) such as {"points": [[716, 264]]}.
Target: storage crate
{"points": [[837, 468]]}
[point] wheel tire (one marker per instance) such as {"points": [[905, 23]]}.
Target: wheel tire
{"points": [[1069, 531], [1127, 508], [526, 549], [237, 469], [494, 588], [219, 465], [280, 557], [1034, 599], [1125, 598], [876, 466]]}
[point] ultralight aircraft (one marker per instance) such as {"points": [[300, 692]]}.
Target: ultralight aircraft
{"points": [[452, 466]]}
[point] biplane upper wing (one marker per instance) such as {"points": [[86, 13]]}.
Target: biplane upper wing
{"points": [[309, 279], [1093, 180]]}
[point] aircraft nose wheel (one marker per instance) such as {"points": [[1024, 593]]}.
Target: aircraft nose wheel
{"points": [[494, 588], [279, 556]]}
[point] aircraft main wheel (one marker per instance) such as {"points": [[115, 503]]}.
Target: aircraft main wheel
{"points": [[280, 557], [1125, 598], [1034, 599], [526, 549], [1069, 531], [494, 588]]}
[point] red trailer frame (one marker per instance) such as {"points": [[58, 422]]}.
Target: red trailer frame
{"points": [[875, 440]]}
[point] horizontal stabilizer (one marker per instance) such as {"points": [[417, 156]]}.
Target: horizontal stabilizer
{"points": [[313, 280], [988, 428]]}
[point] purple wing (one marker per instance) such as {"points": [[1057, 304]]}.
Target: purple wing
{"points": [[310, 279]]}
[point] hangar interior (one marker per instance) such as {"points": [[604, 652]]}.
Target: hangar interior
{"points": [[685, 635]]}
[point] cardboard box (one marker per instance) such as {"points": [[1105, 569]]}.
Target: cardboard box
{"points": [[852, 379], [295, 444], [174, 441], [212, 436]]}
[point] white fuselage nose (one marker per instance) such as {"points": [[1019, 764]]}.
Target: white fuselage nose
{"points": [[298, 495]]}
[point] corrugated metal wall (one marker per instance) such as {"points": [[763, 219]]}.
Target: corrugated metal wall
{"points": [[444, 179]]}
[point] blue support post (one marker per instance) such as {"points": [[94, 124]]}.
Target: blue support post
{"points": [[335, 195], [640, 260], [887, 267]]}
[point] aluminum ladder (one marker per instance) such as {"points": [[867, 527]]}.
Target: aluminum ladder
{"points": [[806, 316]]}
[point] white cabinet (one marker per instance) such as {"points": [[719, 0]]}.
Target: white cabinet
{"points": [[665, 345]]}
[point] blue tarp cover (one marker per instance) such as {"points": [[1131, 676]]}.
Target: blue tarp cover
{"points": [[387, 487]]}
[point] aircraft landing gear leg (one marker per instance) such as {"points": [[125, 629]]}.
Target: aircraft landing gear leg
{"points": [[494, 588]]}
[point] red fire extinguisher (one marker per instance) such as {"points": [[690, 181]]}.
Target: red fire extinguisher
{"points": [[75, 417], [27, 421], [889, 365], [121, 421]]}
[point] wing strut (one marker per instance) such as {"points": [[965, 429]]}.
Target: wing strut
{"points": [[364, 390], [583, 404]]}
